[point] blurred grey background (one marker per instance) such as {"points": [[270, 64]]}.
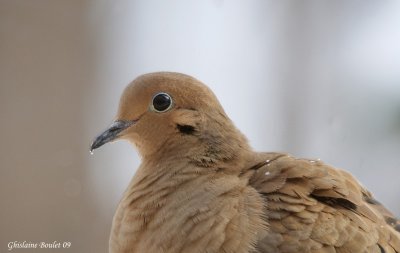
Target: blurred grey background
{"points": [[318, 79]]}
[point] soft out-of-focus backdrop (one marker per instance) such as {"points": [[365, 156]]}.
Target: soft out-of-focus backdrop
{"points": [[317, 79]]}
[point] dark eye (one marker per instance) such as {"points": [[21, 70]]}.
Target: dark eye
{"points": [[162, 102]]}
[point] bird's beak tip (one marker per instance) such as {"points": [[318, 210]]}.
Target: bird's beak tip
{"points": [[92, 148]]}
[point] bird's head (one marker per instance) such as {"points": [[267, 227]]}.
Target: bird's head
{"points": [[172, 113]]}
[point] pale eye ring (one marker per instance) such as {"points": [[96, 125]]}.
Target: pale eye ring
{"points": [[161, 102]]}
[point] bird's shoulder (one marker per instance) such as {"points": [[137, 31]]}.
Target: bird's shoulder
{"points": [[314, 206]]}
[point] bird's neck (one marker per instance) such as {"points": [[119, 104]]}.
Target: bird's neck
{"points": [[219, 144]]}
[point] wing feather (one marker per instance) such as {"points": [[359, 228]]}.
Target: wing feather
{"points": [[313, 207]]}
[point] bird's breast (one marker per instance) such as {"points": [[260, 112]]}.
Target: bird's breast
{"points": [[187, 213]]}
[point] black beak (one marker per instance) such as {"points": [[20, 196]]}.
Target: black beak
{"points": [[111, 133]]}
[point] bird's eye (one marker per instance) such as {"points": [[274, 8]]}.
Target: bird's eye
{"points": [[161, 102]]}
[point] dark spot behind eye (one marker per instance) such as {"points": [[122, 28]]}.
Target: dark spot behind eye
{"points": [[185, 129]]}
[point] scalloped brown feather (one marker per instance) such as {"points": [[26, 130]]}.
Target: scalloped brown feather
{"points": [[313, 207]]}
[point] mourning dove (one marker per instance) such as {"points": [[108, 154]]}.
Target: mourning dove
{"points": [[201, 188]]}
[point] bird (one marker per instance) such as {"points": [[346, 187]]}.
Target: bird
{"points": [[201, 188]]}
